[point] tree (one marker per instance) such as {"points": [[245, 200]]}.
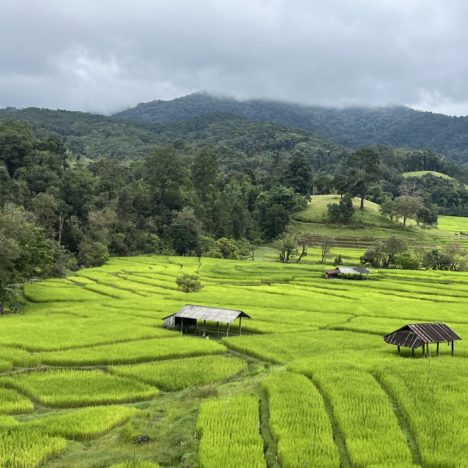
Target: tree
{"points": [[166, 176], [184, 232], [342, 212], [189, 283], [288, 248], [273, 208], [205, 174], [25, 252], [407, 206], [227, 248], [363, 171], [325, 246], [426, 215], [299, 175], [92, 253], [387, 208], [383, 254]]}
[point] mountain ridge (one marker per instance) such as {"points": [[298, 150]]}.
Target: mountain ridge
{"points": [[351, 127]]}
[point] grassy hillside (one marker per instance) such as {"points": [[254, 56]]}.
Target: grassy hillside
{"points": [[310, 383], [369, 225], [407, 175]]}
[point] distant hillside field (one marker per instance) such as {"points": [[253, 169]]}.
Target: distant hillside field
{"points": [[407, 175], [369, 225]]}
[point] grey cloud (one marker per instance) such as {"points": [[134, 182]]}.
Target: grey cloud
{"points": [[104, 55]]}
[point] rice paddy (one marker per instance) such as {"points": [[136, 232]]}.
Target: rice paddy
{"points": [[88, 368]]}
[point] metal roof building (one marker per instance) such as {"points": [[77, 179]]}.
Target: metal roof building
{"points": [[189, 315], [347, 272], [421, 335]]}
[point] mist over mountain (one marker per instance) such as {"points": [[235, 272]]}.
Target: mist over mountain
{"points": [[352, 127]]}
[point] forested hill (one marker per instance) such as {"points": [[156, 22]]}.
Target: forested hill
{"points": [[235, 138], [351, 127]]}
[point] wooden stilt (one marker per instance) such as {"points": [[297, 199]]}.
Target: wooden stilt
{"points": [[453, 350], [227, 329], [204, 328], [217, 328], [398, 348], [182, 325], [412, 352], [437, 349], [240, 326]]}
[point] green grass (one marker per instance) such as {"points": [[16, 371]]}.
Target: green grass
{"points": [[134, 351], [84, 423], [27, 448], [177, 374], [229, 433], [355, 396], [69, 388], [12, 402], [299, 422], [407, 175]]}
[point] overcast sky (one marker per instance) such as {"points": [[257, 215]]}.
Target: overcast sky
{"points": [[106, 55]]}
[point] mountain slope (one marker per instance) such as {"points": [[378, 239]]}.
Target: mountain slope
{"points": [[351, 127], [235, 138]]}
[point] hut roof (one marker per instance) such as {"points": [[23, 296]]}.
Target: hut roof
{"points": [[352, 270], [416, 334], [213, 314]]}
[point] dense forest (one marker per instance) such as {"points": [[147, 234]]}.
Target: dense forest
{"points": [[351, 127], [76, 188]]}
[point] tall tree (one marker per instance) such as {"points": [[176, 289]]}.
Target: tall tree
{"points": [[299, 175], [363, 171]]}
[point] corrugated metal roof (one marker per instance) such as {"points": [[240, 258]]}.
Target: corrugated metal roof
{"points": [[212, 314], [416, 334], [353, 270]]}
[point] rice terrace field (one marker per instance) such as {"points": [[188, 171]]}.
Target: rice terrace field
{"points": [[88, 368]]}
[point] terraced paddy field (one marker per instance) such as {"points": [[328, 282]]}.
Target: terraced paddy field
{"points": [[368, 225], [88, 368]]}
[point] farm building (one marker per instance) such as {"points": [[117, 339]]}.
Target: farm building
{"points": [[421, 335], [347, 273], [188, 319]]}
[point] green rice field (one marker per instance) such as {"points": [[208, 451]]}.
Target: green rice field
{"points": [[88, 368]]}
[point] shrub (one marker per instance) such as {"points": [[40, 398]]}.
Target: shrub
{"points": [[92, 253], [407, 261], [189, 283]]}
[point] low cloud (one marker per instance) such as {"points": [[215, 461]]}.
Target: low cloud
{"points": [[106, 55]]}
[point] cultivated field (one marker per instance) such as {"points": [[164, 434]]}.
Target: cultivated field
{"points": [[88, 367]]}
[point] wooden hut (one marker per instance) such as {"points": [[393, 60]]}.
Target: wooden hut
{"points": [[347, 273], [421, 335], [188, 318]]}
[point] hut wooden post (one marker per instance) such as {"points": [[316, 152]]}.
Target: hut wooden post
{"points": [[412, 352], [227, 329], [398, 349], [182, 325], [453, 350], [217, 328], [204, 328], [240, 326], [437, 349]]}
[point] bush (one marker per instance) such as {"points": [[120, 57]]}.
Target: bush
{"points": [[189, 283], [92, 253], [407, 262], [341, 213]]}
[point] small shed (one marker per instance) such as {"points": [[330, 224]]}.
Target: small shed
{"points": [[421, 335], [347, 273], [188, 317]]}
